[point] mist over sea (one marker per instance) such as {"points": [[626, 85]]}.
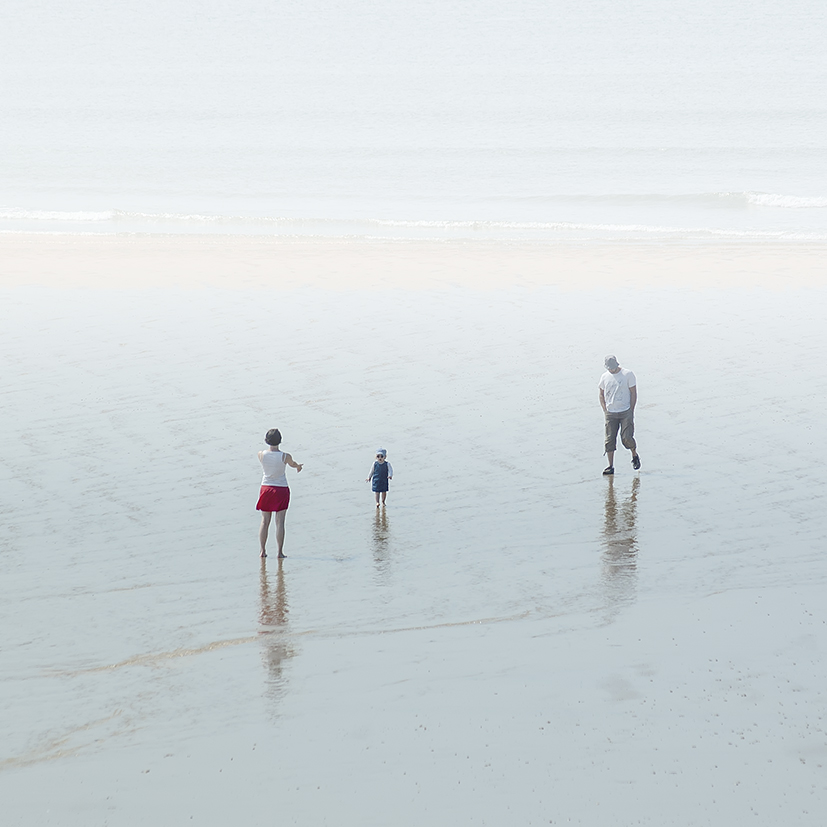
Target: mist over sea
{"points": [[525, 120]]}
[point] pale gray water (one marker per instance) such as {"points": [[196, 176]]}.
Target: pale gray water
{"points": [[515, 640], [589, 119]]}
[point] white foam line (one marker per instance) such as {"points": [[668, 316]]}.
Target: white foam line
{"points": [[794, 202]]}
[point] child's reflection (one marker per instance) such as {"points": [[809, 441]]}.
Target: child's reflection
{"points": [[273, 626], [619, 559], [381, 546]]}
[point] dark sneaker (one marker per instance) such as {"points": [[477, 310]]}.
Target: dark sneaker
{"points": [[609, 471], [636, 463]]}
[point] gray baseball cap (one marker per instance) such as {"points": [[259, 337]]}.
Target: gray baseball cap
{"points": [[610, 362]]}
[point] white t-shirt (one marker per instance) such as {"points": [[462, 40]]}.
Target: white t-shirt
{"points": [[615, 387], [275, 471]]}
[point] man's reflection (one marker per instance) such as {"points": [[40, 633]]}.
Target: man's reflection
{"points": [[381, 546], [620, 546], [273, 627]]}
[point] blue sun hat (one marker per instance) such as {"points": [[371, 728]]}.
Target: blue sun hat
{"points": [[382, 451]]}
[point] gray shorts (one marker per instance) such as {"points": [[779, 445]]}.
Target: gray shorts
{"points": [[623, 422]]}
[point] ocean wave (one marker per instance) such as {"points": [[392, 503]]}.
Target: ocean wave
{"points": [[125, 221], [697, 200], [13, 214], [794, 202]]}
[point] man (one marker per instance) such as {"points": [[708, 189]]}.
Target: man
{"points": [[618, 397]]}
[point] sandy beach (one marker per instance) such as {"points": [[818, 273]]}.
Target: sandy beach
{"points": [[255, 263], [515, 639]]}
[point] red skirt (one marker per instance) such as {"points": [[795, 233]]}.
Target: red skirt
{"points": [[272, 498]]}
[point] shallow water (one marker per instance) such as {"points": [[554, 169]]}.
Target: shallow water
{"points": [[512, 633]]}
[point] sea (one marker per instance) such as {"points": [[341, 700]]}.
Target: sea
{"points": [[425, 119]]}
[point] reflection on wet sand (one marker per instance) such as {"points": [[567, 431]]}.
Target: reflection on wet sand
{"points": [[381, 546], [619, 575], [274, 628]]}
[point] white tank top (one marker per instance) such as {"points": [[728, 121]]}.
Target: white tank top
{"points": [[275, 470]]}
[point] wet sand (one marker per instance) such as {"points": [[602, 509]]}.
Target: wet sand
{"points": [[514, 639]]}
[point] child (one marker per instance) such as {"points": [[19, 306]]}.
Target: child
{"points": [[381, 472]]}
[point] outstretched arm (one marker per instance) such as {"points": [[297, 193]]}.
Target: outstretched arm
{"points": [[288, 460]]}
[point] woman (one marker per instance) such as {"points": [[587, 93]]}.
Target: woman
{"points": [[275, 495]]}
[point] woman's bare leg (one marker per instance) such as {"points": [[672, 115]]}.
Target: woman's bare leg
{"points": [[377, 499], [262, 532], [384, 496], [280, 515]]}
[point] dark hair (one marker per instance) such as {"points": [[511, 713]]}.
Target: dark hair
{"points": [[273, 436]]}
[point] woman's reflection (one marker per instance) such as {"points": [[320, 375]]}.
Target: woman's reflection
{"points": [[620, 547], [274, 628]]}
